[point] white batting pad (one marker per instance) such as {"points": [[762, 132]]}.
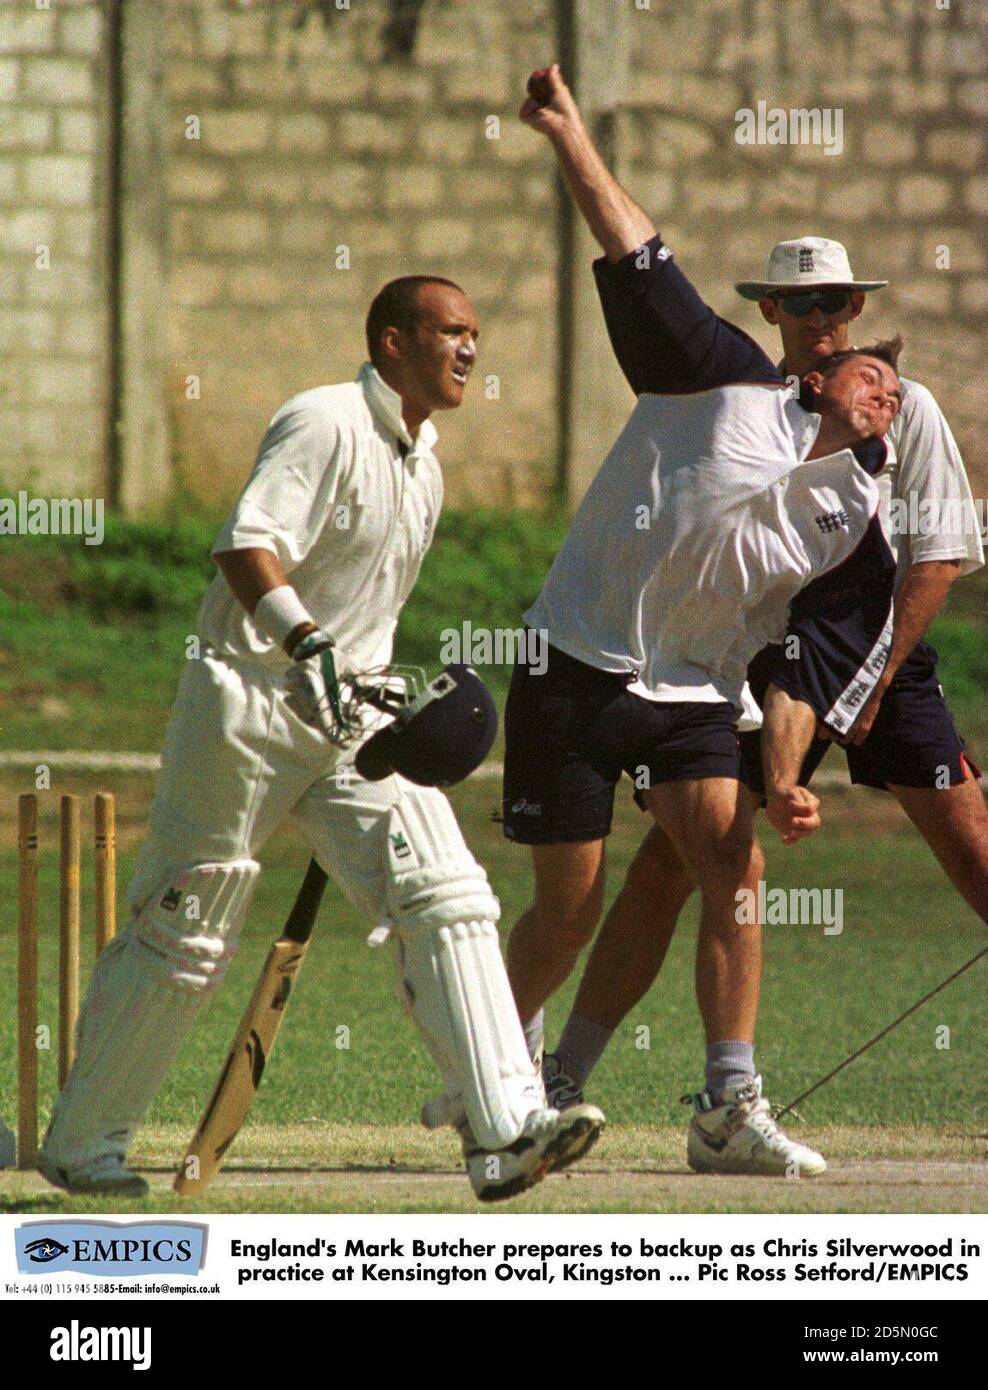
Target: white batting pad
{"points": [[130, 1028], [191, 926], [453, 980], [457, 993], [146, 991]]}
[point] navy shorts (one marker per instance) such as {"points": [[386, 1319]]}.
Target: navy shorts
{"points": [[912, 739], [571, 732]]}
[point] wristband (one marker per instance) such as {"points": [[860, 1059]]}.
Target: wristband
{"points": [[279, 612]]}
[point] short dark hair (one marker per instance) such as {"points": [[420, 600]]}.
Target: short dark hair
{"points": [[397, 306], [886, 350]]}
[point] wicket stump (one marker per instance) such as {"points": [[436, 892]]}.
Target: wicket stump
{"points": [[69, 920], [27, 981]]}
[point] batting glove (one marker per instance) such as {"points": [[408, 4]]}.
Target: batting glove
{"points": [[315, 687]]}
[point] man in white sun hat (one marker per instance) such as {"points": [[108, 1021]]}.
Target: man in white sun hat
{"points": [[808, 263], [904, 740]]}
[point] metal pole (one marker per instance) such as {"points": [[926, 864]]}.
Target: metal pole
{"points": [[592, 42]]}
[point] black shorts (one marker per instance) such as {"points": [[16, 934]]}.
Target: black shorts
{"points": [[571, 732], [912, 740], [839, 633]]}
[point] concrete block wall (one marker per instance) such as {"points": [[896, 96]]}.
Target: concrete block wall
{"points": [[53, 335], [304, 142], [306, 145]]}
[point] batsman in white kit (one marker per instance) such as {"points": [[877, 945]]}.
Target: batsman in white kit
{"points": [[317, 558]]}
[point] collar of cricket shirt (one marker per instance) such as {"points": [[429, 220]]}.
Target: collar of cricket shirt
{"points": [[385, 403]]}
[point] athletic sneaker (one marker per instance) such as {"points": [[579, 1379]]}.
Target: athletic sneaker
{"points": [[740, 1136], [560, 1088], [549, 1142], [106, 1176]]}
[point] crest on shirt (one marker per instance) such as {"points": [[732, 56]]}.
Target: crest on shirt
{"points": [[833, 521]]}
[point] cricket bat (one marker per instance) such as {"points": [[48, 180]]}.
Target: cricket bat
{"points": [[244, 1066]]}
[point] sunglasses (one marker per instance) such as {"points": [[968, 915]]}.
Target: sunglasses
{"points": [[827, 301]]}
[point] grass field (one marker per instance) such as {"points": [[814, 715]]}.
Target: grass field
{"points": [[334, 1129], [91, 648], [92, 638]]}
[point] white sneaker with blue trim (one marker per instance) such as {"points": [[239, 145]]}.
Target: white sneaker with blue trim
{"points": [[740, 1135]]}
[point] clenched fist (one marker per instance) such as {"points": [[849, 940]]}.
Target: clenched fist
{"points": [[794, 813], [549, 105]]}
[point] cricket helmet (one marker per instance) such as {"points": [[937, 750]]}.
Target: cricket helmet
{"points": [[439, 737]]}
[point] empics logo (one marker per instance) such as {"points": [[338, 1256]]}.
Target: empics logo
{"points": [[110, 1247], [75, 1343], [43, 1251]]}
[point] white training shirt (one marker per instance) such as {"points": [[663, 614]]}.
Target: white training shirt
{"points": [[348, 517], [934, 516], [702, 524]]}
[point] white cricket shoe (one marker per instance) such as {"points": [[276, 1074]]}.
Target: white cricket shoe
{"points": [[106, 1176], [740, 1136], [549, 1142], [561, 1090]]}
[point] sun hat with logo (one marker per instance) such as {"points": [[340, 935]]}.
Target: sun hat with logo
{"points": [[806, 263]]}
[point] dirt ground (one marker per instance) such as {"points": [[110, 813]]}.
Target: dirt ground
{"points": [[368, 1168]]}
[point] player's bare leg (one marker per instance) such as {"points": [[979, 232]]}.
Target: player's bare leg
{"points": [[710, 823], [548, 938], [954, 823], [632, 944], [627, 955]]}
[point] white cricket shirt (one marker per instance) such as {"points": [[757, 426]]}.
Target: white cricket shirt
{"points": [[702, 524], [928, 512], [348, 517]]}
